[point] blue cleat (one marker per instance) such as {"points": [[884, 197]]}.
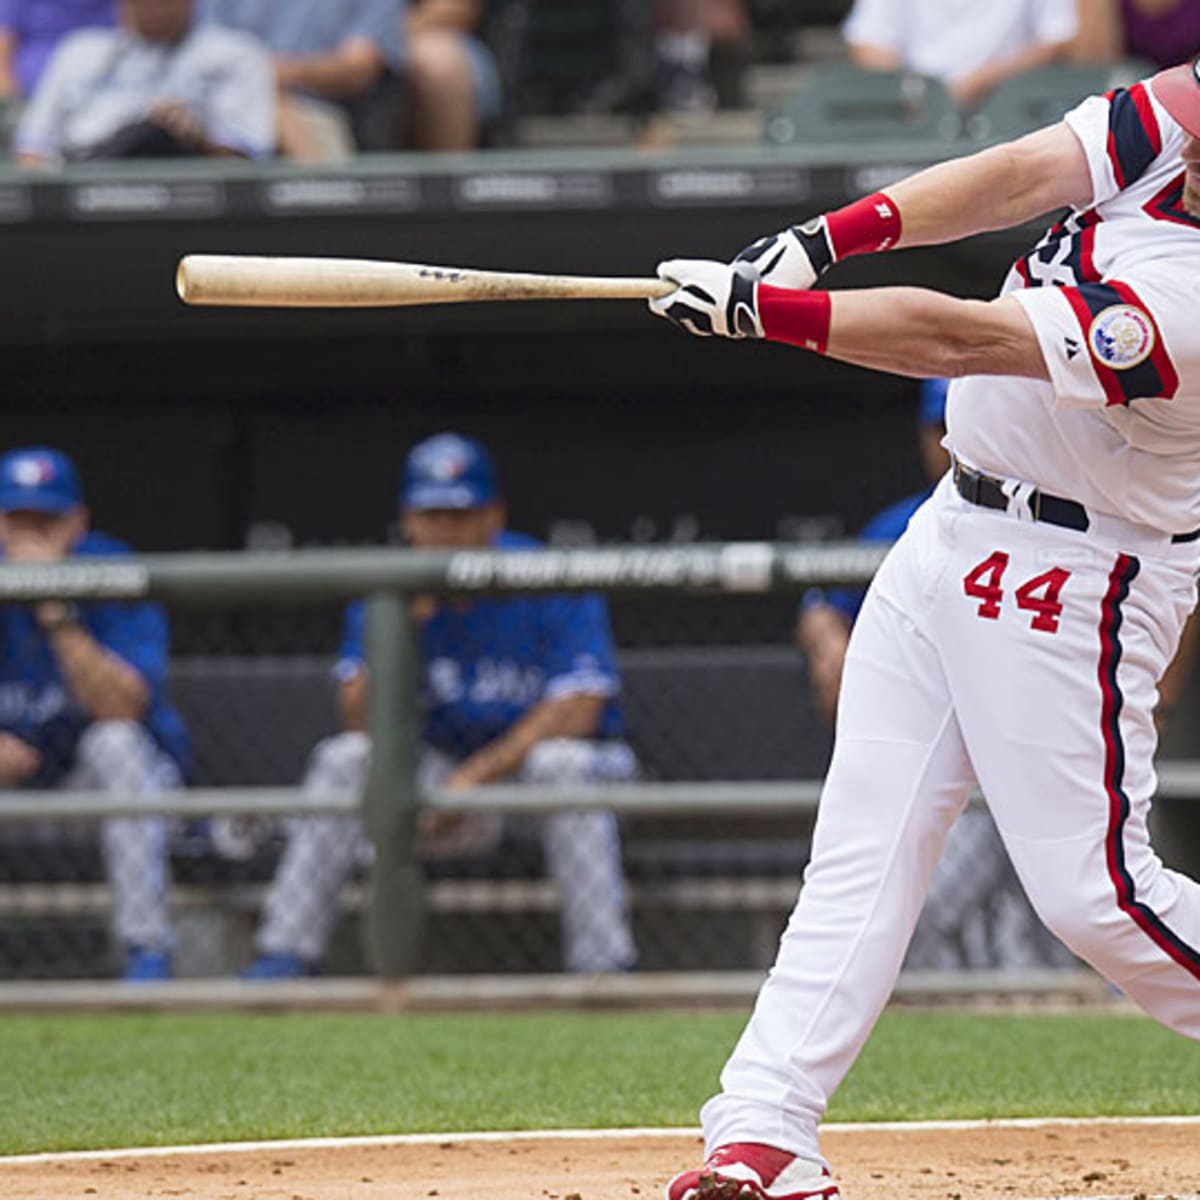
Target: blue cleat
{"points": [[278, 966], [143, 965]]}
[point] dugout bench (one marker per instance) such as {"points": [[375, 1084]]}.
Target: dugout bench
{"points": [[707, 893]]}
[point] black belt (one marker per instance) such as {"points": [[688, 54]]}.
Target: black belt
{"points": [[987, 491]]}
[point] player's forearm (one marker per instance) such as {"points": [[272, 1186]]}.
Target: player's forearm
{"points": [[104, 686], [567, 717], [907, 331], [352, 702]]}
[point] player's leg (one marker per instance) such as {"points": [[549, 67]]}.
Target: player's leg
{"points": [[898, 779], [1057, 711], [122, 756], [583, 853], [957, 927], [301, 907]]}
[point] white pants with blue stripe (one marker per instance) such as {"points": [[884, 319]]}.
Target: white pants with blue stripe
{"points": [[996, 649], [582, 851]]}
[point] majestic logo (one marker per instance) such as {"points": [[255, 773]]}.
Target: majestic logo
{"points": [[1072, 348], [1122, 337], [32, 472]]}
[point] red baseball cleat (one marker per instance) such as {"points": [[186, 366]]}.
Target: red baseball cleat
{"points": [[748, 1171]]}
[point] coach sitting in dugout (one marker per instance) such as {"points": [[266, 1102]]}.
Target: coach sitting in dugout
{"points": [[518, 688], [159, 85], [81, 697]]}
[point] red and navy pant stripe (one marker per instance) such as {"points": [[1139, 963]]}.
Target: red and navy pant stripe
{"points": [[1112, 701]]}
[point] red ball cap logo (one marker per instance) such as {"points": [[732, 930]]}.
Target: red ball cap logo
{"points": [[1178, 91]]}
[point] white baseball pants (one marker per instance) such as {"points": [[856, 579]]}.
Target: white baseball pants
{"points": [[122, 756], [1026, 657], [582, 850]]}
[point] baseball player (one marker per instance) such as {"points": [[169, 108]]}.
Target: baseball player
{"points": [[81, 697], [1016, 632], [517, 688]]}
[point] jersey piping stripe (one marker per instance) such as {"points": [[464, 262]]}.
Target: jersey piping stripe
{"points": [[1167, 205], [1112, 701], [1134, 139], [1154, 377], [1079, 234]]}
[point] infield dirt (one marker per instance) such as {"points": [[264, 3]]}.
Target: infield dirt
{"points": [[974, 1164]]}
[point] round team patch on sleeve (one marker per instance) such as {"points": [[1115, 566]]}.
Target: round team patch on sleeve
{"points": [[1122, 336]]}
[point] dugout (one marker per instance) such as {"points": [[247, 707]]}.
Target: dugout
{"points": [[203, 429]]}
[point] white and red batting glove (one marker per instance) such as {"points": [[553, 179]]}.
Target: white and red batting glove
{"points": [[713, 299], [798, 256]]}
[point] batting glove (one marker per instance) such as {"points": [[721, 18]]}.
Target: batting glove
{"points": [[711, 299], [793, 258]]}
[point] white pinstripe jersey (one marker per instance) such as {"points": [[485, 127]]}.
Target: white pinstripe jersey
{"points": [[1113, 292]]}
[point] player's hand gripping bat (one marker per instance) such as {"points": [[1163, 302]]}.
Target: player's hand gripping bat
{"points": [[247, 281]]}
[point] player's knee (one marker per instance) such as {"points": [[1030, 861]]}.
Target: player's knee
{"points": [[109, 747], [339, 760], [1088, 926], [558, 760]]}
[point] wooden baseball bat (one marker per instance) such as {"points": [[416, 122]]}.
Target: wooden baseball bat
{"points": [[249, 281]]}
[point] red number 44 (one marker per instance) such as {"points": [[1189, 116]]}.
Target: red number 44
{"points": [[1039, 595]]}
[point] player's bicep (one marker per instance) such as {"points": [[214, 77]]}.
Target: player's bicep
{"points": [[1102, 344]]}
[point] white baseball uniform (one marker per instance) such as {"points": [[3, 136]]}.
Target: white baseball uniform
{"points": [[1018, 646]]}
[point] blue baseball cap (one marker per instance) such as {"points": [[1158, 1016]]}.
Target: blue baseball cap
{"points": [[38, 479], [931, 409], [448, 471]]}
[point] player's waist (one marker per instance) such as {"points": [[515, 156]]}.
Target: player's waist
{"points": [[1029, 503]]}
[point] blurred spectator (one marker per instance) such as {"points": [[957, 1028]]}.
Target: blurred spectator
{"points": [[337, 65], [1162, 32], [664, 56], [975, 914], [970, 47], [31, 29], [519, 688], [81, 696], [452, 83], [157, 86]]}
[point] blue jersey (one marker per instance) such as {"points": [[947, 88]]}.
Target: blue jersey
{"points": [[885, 526], [35, 704], [489, 662]]}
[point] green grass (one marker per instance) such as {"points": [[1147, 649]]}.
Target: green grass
{"points": [[105, 1081]]}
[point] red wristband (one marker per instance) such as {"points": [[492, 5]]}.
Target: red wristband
{"points": [[864, 227], [798, 318]]}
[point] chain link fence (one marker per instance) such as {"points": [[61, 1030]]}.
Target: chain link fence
{"points": [[290, 840]]}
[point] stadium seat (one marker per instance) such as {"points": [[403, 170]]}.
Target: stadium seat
{"points": [[839, 103], [1041, 97]]}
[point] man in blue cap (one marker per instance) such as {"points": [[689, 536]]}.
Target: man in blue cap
{"points": [[518, 688], [81, 696]]}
